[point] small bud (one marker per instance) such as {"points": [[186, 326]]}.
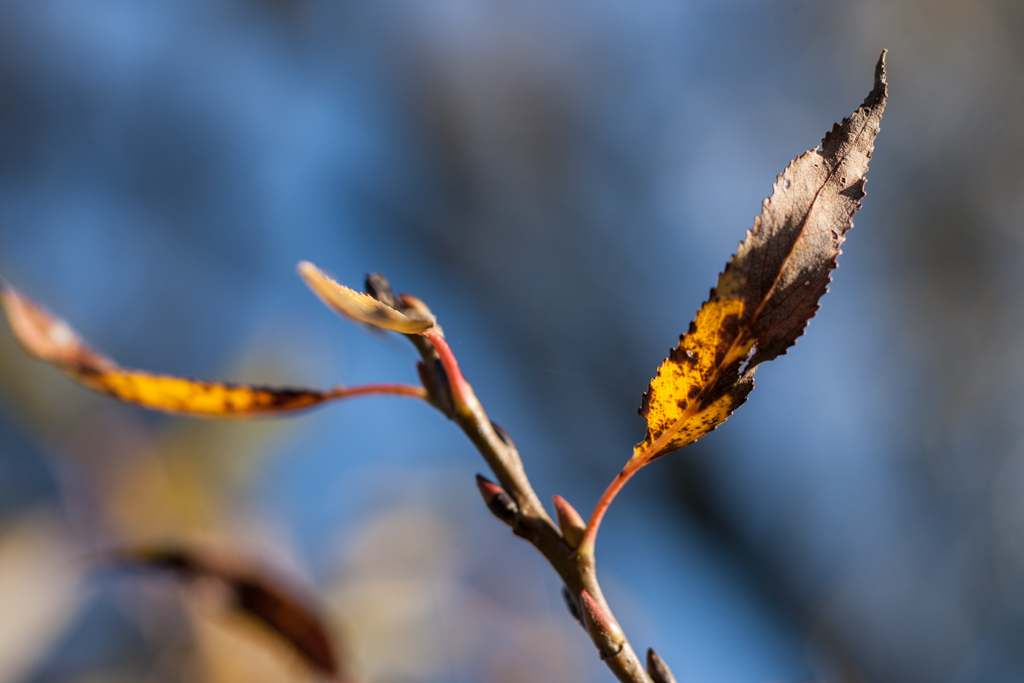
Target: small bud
{"points": [[436, 384], [569, 521], [421, 370], [416, 309], [657, 668], [604, 631], [572, 606], [497, 500], [379, 288], [502, 434]]}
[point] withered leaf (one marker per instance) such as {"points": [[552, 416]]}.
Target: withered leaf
{"points": [[768, 290], [51, 339], [249, 592]]}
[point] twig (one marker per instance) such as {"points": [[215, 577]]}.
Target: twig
{"points": [[531, 521]]}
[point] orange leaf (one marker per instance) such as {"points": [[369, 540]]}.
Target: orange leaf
{"points": [[51, 339], [768, 290]]}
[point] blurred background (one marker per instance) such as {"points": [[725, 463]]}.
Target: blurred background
{"points": [[561, 182]]}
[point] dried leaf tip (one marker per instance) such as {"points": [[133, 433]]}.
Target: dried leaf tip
{"points": [[880, 89], [880, 82], [39, 332], [359, 306]]}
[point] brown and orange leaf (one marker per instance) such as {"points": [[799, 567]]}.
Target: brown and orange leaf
{"points": [[363, 307], [768, 290], [51, 339], [249, 592]]}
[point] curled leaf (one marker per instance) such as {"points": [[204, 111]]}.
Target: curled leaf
{"points": [[359, 306], [768, 290], [250, 593], [51, 339]]}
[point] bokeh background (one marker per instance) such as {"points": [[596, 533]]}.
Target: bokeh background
{"points": [[561, 182]]}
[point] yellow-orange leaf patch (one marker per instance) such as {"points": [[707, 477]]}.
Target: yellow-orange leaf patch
{"points": [[768, 290], [47, 337]]}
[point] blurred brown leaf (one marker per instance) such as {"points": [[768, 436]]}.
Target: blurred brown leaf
{"points": [[250, 593]]}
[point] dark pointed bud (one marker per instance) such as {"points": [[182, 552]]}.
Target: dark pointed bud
{"points": [[497, 500], [421, 370], [444, 389], [569, 521], [604, 631], [502, 434], [572, 606], [436, 385], [657, 669], [379, 288]]}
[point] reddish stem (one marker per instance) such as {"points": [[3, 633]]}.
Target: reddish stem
{"points": [[409, 390], [586, 546], [462, 393]]}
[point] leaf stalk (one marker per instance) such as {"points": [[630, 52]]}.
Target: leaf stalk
{"points": [[410, 390], [586, 547]]}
